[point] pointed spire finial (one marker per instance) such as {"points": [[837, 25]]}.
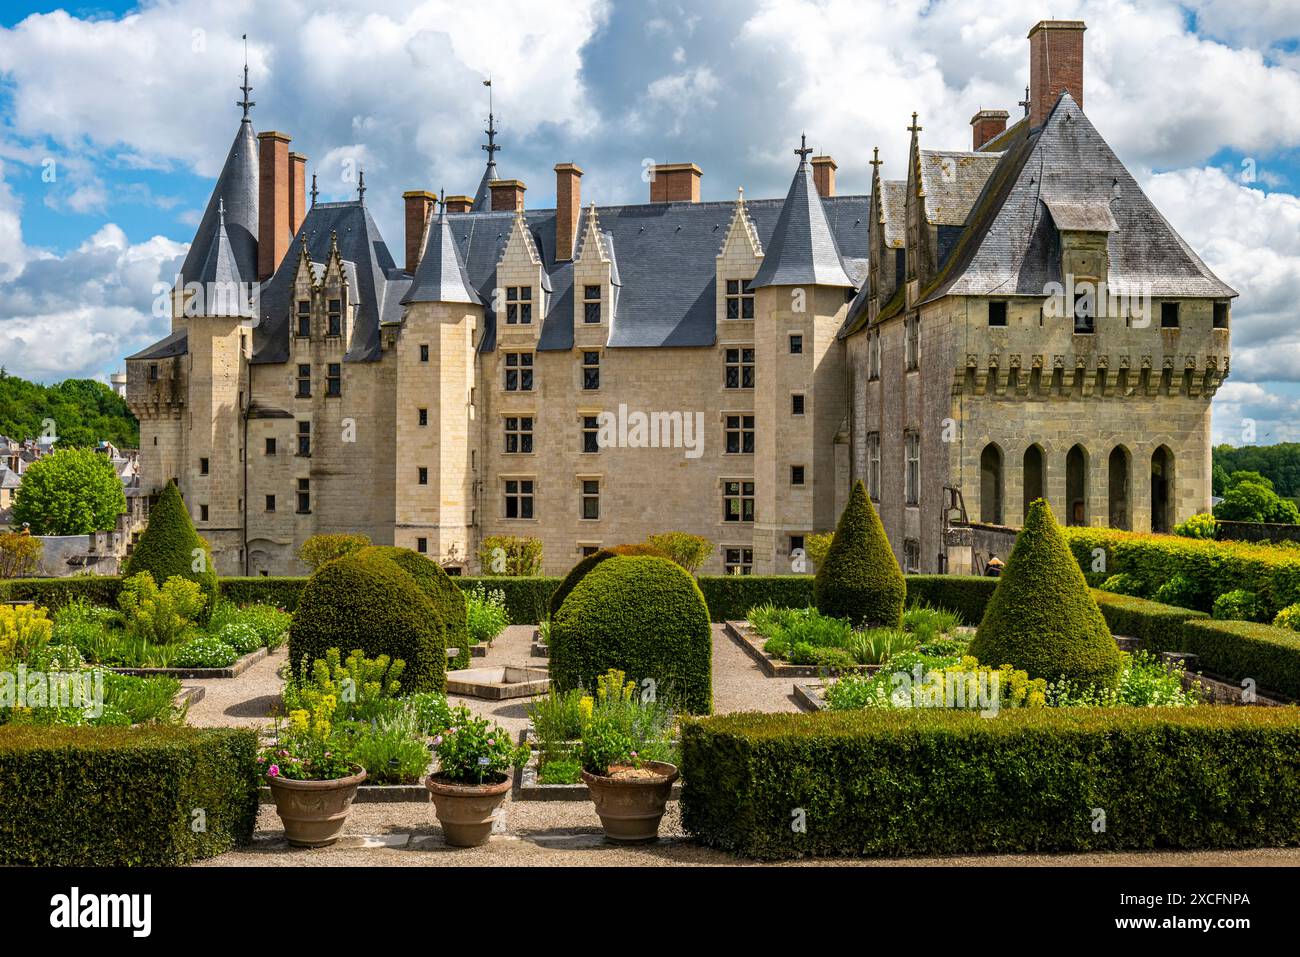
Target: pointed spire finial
{"points": [[875, 158], [1025, 101], [491, 131], [803, 150], [246, 102], [314, 192], [915, 127], [221, 210], [361, 186]]}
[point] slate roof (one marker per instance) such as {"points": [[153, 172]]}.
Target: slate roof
{"points": [[893, 205], [441, 275], [951, 181], [802, 249], [483, 195], [237, 187], [176, 344]]}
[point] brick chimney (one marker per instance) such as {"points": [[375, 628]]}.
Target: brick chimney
{"points": [[1055, 65], [568, 203], [507, 195], [675, 183], [824, 175], [297, 191], [987, 125], [419, 207], [273, 230], [458, 204]]}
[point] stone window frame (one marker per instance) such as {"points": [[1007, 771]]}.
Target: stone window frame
{"points": [[873, 465], [799, 476], [588, 367], [303, 381], [522, 489], [333, 380], [304, 438], [873, 354], [303, 317], [798, 404], [513, 426], [304, 497], [795, 340], [522, 366], [740, 429], [422, 475], [911, 556], [741, 491], [587, 495], [912, 343], [422, 418], [270, 503], [737, 559], [911, 467], [738, 298], [998, 313], [741, 359], [589, 301], [519, 305]]}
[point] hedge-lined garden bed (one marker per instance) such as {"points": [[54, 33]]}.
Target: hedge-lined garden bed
{"points": [[774, 786], [107, 797]]}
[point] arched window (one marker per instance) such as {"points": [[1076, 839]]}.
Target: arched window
{"points": [[991, 484], [1119, 488], [1035, 478], [1076, 486], [1162, 490]]}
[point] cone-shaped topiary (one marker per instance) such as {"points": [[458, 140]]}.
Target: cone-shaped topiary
{"points": [[368, 602], [440, 589], [1042, 617], [170, 546], [645, 616], [860, 578]]}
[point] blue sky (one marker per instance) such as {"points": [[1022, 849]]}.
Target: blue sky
{"points": [[114, 118]]}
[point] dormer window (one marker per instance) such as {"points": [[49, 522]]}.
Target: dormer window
{"points": [[335, 318], [304, 318], [591, 304], [519, 305], [740, 299]]}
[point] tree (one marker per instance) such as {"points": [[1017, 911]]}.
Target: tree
{"points": [[70, 492], [80, 412], [689, 551], [510, 555], [1042, 617], [860, 579], [170, 546], [1250, 498], [20, 555], [319, 549]]}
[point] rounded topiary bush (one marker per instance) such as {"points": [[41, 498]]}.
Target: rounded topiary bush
{"points": [[368, 602], [860, 579], [1042, 618], [580, 570], [645, 616], [170, 546], [437, 585]]}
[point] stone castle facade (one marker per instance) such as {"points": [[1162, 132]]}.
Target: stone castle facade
{"points": [[591, 375]]}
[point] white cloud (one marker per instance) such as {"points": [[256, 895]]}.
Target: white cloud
{"points": [[1247, 413]]}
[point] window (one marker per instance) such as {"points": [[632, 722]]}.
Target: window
{"points": [[424, 352], [591, 304], [270, 446], [911, 555], [304, 381], [270, 503], [873, 465], [519, 305], [912, 344], [796, 475], [519, 434], [796, 543], [590, 499], [203, 466], [740, 299], [424, 417], [422, 475], [335, 318], [519, 498], [588, 550], [740, 369], [1169, 315], [590, 433], [738, 561], [737, 501], [873, 355], [997, 314], [304, 438], [590, 370], [1083, 313], [422, 545], [304, 496], [1220, 315], [203, 513], [153, 372], [912, 473], [796, 344], [519, 372], [740, 434], [304, 318], [796, 404], [334, 379]]}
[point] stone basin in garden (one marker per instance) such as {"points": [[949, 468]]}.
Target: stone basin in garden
{"points": [[496, 684]]}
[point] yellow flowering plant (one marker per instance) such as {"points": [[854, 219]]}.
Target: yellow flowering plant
{"points": [[306, 746]]}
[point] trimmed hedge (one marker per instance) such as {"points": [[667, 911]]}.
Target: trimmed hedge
{"points": [[54, 593], [108, 797], [1244, 649], [967, 595], [439, 589], [730, 597], [645, 616], [167, 548], [902, 782], [1156, 627], [576, 574], [368, 602], [860, 579], [527, 597], [280, 592]]}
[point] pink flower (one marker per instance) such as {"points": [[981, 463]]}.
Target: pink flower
{"points": [[261, 760], [273, 771], [492, 742], [634, 754], [438, 740]]}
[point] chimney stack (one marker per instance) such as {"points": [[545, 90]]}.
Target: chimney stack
{"points": [[987, 125], [675, 183], [507, 195], [297, 191], [568, 204], [458, 204], [824, 175], [419, 207], [273, 231], [1055, 66]]}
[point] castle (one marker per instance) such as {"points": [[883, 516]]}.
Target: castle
{"points": [[1007, 322]]}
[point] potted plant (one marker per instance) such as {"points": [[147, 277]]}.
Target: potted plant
{"points": [[474, 761], [624, 743], [311, 780]]}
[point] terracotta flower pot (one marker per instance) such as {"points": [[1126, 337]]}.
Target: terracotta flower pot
{"points": [[313, 812], [630, 809], [465, 810]]}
